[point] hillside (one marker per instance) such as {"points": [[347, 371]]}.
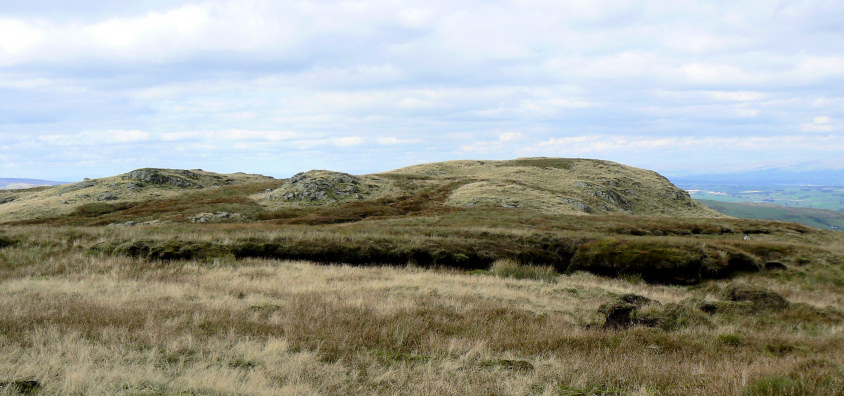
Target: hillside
{"points": [[124, 190], [544, 185], [820, 218]]}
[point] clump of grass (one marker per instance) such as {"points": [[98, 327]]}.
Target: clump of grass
{"points": [[730, 339], [775, 385], [6, 241], [507, 268]]}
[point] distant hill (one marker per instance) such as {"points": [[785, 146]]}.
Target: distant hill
{"points": [[766, 177], [10, 183], [820, 218]]}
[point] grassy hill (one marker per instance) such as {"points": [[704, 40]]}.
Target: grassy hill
{"points": [[467, 277], [820, 218]]}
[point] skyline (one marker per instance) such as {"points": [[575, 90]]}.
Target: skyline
{"points": [[95, 89]]}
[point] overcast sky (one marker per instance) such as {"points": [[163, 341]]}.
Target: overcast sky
{"points": [[93, 88]]}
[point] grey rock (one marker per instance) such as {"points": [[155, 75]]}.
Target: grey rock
{"points": [[614, 198], [577, 204], [107, 196], [6, 200], [78, 186], [155, 176], [133, 186], [321, 187]]}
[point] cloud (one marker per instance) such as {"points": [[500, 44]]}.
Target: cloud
{"points": [[374, 84], [392, 140]]}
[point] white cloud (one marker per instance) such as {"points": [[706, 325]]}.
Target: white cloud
{"points": [[392, 140], [822, 120], [510, 136]]}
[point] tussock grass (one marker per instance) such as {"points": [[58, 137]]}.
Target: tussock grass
{"points": [[508, 268], [127, 326]]}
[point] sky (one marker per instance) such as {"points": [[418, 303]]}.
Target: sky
{"points": [[93, 88]]}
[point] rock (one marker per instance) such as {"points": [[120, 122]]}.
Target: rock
{"points": [[614, 198], [107, 196], [78, 186], [6, 200], [577, 204], [510, 204], [155, 176], [321, 186], [218, 217], [133, 186]]}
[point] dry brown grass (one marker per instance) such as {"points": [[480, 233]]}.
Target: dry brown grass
{"points": [[79, 324]]}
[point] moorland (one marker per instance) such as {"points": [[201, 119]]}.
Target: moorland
{"points": [[540, 276]]}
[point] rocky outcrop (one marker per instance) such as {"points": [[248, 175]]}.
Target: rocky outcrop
{"points": [[79, 186], [159, 177], [322, 186], [614, 198], [107, 196], [219, 217]]}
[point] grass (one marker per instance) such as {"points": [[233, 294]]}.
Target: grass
{"points": [[127, 326]]}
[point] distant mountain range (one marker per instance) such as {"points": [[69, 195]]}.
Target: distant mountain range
{"points": [[767, 177], [10, 183]]}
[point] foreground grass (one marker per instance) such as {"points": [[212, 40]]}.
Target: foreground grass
{"points": [[116, 325]]}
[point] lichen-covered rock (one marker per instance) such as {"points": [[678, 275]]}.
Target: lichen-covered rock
{"points": [[79, 186], [614, 198], [322, 187], [158, 177], [107, 196], [577, 204], [219, 217]]}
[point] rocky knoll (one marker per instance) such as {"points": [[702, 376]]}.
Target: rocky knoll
{"points": [[156, 176], [319, 186]]}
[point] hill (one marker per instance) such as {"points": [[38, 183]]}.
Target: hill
{"points": [[11, 183], [124, 190], [544, 185], [820, 218]]}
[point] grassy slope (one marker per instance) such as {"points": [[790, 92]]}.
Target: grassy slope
{"points": [[820, 218]]}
